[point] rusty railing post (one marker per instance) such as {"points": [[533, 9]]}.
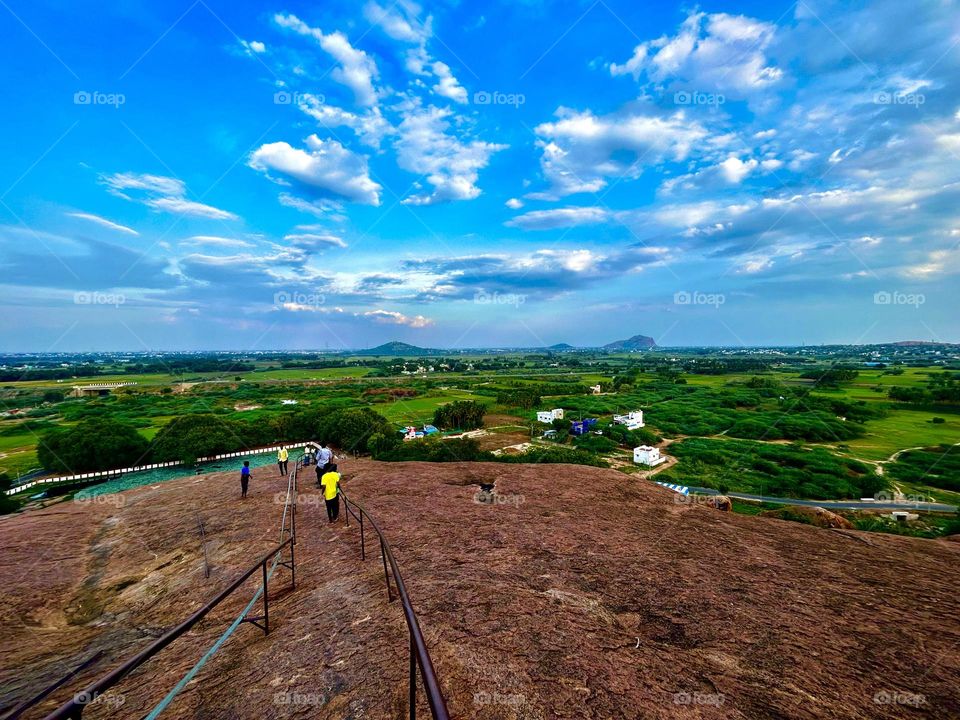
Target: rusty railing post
{"points": [[386, 575], [363, 548], [413, 679], [266, 602]]}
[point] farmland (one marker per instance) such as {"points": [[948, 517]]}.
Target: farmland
{"points": [[791, 426]]}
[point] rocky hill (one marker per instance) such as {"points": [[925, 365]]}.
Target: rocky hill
{"points": [[581, 593], [637, 342]]}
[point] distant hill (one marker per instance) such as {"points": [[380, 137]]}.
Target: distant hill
{"points": [[561, 347], [399, 349], [637, 342]]}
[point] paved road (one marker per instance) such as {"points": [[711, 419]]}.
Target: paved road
{"points": [[836, 504]]}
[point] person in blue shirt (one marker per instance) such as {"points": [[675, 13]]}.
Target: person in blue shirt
{"points": [[244, 478]]}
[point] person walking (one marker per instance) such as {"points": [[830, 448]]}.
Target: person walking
{"points": [[324, 458], [244, 479], [331, 482], [282, 456]]}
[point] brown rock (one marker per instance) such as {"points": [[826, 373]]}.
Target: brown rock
{"points": [[816, 516]]}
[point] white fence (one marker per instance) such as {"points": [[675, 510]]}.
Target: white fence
{"points": [[108, 474]]}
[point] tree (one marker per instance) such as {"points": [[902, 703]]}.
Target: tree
{"points": [[351, 429], [193, 436], [91, 445], [460, 415]]}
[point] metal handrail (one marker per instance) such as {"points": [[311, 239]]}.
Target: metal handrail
{"points": [[74, 708], [419, 655]]}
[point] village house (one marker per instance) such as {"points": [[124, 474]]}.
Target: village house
{"points": [[647, 455], [633, 419]]}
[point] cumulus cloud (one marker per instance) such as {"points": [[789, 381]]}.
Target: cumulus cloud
{"points": [[581, 151], [103, 222], [401, 22], [711, 53], [452, 166], [370, 127], [356, 70], [325, 166], [392, 317]]}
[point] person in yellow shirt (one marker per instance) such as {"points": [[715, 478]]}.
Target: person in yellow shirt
{"points": [[282, 456], [330, 482]]}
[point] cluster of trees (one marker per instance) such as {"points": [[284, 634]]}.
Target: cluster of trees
{"points": [[942, 389], [831, 377], [102, 444], [91, 445], [460, 415], [525, 398], [434, 449]]}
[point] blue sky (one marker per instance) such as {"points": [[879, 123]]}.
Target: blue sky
{"points": [[224, 175]]}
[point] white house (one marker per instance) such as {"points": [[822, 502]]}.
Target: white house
{"points": [[548, 416], [647, 455], [633, 419], [595, 389]]}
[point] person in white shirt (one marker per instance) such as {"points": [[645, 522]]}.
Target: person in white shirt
{"points": [[324, 459]]}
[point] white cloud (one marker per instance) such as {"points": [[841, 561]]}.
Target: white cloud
{"points": [[103, 222], [254, 47], [581, 150], [370, 127], [447, 85], [216, 241], [711, 53], [119, 183], [391, 317], [312, 241], [452, 167], [735, 170], [161, 193], [514, 203], [182, 206], [400, 21], [560, 217], [356, 69], [326, 165]]}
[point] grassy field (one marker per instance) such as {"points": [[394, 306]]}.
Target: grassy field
{"points": [[419, 410], [904, 429], [309, 374]]}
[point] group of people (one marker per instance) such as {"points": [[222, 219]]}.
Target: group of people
{"points": [[327, 476]]}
